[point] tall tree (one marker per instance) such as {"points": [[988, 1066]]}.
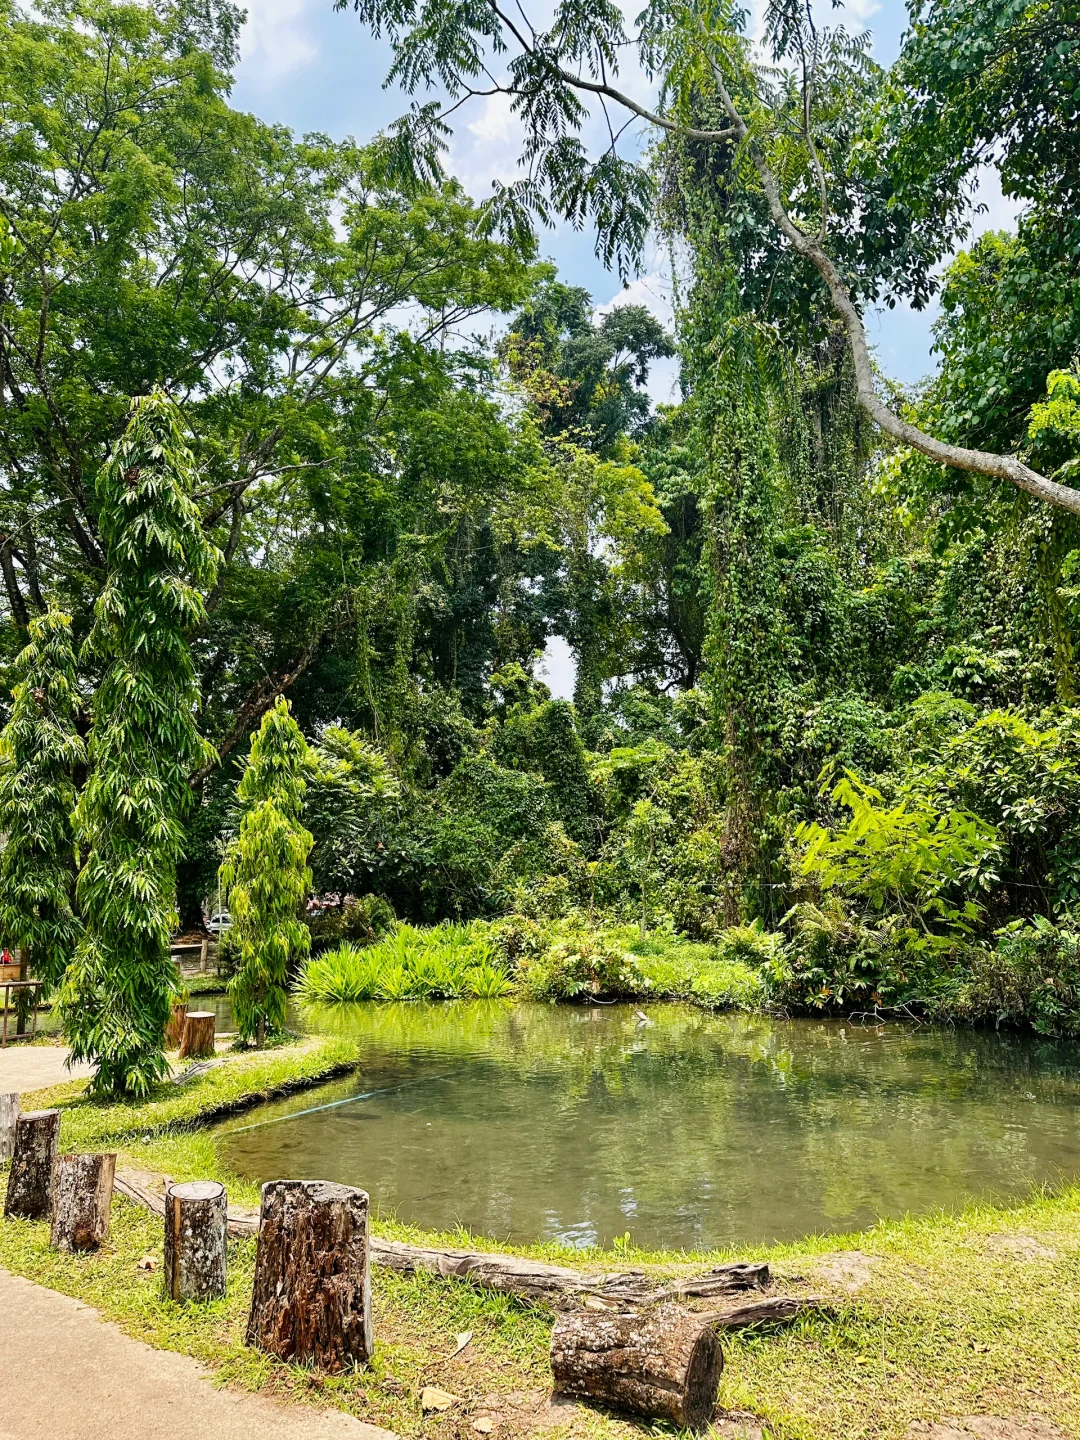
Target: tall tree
{"points": [[790, 132], [144, 744], [265, 877], [39, 750]]}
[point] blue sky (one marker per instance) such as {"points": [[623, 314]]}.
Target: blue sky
{"points": [[312, 68]]}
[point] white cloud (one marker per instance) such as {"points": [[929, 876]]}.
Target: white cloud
{"points": [[497, 122], [276, 39]]}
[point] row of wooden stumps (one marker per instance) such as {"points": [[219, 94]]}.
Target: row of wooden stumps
{"points": [[311, 1298]]}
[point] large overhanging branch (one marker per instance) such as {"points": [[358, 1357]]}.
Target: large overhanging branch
{"points": [[960, 457], [811, 248]]}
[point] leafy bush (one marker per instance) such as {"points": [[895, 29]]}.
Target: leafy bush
{"points": [[362, 921], [443, 963], [1031, 977]]}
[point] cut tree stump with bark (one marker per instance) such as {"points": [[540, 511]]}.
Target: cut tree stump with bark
{"points": [[29, 1192], [311, 1301], [10, 1110], [174, 1030], [664, 1363], [198, 1041], [196, 1225], [81, 1201]]}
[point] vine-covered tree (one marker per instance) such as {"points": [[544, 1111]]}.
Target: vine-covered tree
{"points": [[144, 745], [801, 133], [265, 877], [39, 750]]}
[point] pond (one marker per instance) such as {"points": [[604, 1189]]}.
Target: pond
{"points": [[688, 1131]]}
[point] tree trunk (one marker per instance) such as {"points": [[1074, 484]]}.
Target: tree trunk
{"points": [[198, 1041], [664, 1363], [174, 1030], [29, 1192], [10, 1110], [82, 1197], [311, 1301], [196, 1217]]}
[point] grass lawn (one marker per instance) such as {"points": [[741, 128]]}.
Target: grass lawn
{"points": [[970, 1314]]}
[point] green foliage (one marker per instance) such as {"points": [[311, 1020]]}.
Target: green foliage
{"points": [[1031, 977], [144, 745], [265, 878], [39, 750], [443, 963], [362, 921], [907, 859]]}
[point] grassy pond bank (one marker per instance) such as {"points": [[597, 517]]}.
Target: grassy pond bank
{"points": [[973, 1309]]}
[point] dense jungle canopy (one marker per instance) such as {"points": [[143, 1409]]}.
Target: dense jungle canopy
{"points": [[826, 683]]}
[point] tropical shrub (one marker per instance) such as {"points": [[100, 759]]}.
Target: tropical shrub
{"points": [[361, 921], [265, 877], [445, 962], [1031, 977], [39, 749], [144, 745]]}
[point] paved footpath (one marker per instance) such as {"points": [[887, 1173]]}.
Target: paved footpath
{"points": [[73, 1376], [32, 1067]]}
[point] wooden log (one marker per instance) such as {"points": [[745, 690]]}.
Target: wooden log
{"points": [[773, 1310], [10, 1110], [174, 1030], [664, 1363], [29, 1192], [311, 1301], [725, 1279], [81, 1201], [198, 1041], [196, 1220]]}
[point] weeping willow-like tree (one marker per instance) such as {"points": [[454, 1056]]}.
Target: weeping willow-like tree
{"points": [[265, 876], [39, 750], [143, 746]]}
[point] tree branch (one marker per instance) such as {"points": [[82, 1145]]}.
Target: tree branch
{"points": [[979, 462]]}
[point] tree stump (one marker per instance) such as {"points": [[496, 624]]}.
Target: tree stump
{"points": [[82, 1197], [29, 1192], [664, 1363], [196, 1224], [198, 1041], [311, 1301], [174, 1030], [10, 1110]]}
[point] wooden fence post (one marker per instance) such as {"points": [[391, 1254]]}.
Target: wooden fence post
{"points": [[311, 1301], [10, 1110], [196, 1224], [198, 1041], [29, 1192], [82, 1197]]}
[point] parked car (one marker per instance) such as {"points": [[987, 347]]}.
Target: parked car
{"points": [[219, 922]]}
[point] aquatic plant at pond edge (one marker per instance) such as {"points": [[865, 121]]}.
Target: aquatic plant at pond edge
{"points": [[445, 962]]}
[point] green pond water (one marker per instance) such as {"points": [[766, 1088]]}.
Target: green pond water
{"points": [[695, 1130]]}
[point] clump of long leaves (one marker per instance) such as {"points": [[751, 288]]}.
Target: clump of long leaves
{"points": [[447, 962]]}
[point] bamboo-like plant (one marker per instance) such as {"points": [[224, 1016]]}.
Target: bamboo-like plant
{"points": [[265, 876], [144, 745], [39, 750]]}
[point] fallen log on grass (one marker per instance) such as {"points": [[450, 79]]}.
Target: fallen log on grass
{"points": [[664, 1363], [557, 1286]]}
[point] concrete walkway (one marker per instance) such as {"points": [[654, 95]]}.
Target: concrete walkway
{"points": [[74, 1376], [32, 1067]]}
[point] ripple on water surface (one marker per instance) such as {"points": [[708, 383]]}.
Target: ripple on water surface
{"points": [[695, 1130]]}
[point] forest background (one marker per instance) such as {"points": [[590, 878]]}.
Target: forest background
{"points": [[824, 714]]}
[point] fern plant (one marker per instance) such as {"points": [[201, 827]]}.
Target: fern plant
{"points": [[39, 750], [265, 876], [144, 744]]}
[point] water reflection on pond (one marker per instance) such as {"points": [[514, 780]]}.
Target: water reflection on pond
{"points": [[693, 1131]]}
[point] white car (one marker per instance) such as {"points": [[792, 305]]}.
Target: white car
{"points": [[219, 922]]}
